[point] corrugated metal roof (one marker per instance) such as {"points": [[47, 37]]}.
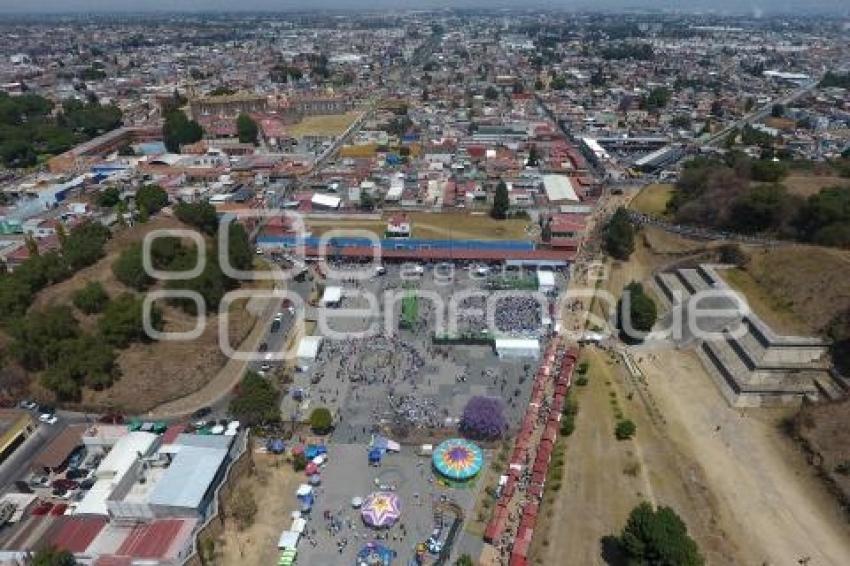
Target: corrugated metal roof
{"points": [[188, 477]]}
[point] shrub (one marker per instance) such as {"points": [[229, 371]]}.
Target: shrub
{"points": [[625, 429], [91, 299], [130, 270], [122, 321], [321, 420]]}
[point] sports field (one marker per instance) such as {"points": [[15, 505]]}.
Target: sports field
{"points": [[330, 125]]}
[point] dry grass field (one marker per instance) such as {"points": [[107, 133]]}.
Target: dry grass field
{"points": [[805, 185], [272, 485], [157, 372], [653, 199], [796, 288], [439, 226], [330, 125]]}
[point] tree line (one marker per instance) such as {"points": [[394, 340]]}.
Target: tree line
{"points": [[720, 194], [29, 128]]}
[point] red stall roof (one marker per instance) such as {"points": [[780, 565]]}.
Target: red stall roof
{"points": [[74, 534], [151, 540]]}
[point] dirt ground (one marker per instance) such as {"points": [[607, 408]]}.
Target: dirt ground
{"points": [[803, 287], [824, 430], [605, 478], [273, 485], [741, 485], [766, 498]]}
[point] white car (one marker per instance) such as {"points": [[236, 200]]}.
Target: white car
{"points": [[47, 418]]}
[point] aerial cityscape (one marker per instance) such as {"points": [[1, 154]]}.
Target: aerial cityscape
{"points": [[451, 284]]}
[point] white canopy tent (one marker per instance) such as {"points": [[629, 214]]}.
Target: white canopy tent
{"points": [[512, 348], [545, 281], [325, 201], [331, 297], [288, 540], [308, 350]]}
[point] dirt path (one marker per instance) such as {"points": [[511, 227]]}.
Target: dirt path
{"points": [[768, 497]]}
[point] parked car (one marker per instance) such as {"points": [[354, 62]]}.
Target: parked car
{"points": [[77, 474], [87, 483], [48, 418], [65, 484], [39, 481], [28, 405], [111, 418], [201, 413], [263, 347]]}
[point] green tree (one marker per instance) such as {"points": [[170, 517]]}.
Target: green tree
{"points": [[620, 235], [824, 217], [761, 208], [15, 297], [247, 129], [239, 249], [256, 401], [179, 130], [91, 299], [201, 215], [109, 197], [151, 199], [129, 268], [50, 556], [658, 537], [501, 202], [36, 337], [642, 309], [464, 560], [533, 156], [321, 420], [122, 321], [625, 429], [767, 170], [85, 244], [86, 360], [657, 98], [777, 111]]}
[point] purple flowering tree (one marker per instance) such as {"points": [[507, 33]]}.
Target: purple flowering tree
{"points": [[483, 419]]}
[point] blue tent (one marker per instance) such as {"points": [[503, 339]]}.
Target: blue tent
{"points": [[375, 455], [275, 446], [314, 450]]}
